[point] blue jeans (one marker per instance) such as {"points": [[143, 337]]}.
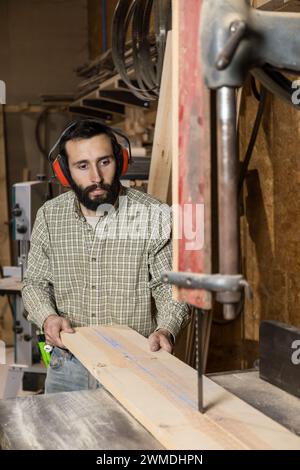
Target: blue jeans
{"points": [[66, 374]]}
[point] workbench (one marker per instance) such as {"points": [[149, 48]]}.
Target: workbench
{"points": [[95, 420], [10, 285], [154, 391], [90, 419], [265, 397]]}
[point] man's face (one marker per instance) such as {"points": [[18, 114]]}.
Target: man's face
{"points": [[93, 169]]}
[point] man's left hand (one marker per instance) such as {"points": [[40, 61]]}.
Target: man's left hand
{"points": [[161, 339]]}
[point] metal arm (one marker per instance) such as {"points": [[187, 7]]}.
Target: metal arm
{"points": [[246, 38]]}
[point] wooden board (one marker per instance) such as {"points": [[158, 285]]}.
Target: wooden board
{"points": [[160, 168], [160, 392], [10, 285], [5, 255], [5, 249], [191, 152]]}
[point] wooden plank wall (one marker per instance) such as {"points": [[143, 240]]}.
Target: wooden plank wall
{"points": [[271, 221]]}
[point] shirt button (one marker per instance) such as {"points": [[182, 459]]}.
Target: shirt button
{"points": [[93, 259], [93, 314], [93, 287]]}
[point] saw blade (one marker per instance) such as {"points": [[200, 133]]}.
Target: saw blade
{"points": [[199, 357]]}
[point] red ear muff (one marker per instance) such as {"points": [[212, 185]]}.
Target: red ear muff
{"points": [[59, 170], [125, 155]]}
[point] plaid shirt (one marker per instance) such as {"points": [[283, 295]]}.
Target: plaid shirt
{"points": [[106, 275]]}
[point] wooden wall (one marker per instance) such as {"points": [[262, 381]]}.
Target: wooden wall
{"points": [[270, 232], [96, 34], [271, 224], [42, 42]]}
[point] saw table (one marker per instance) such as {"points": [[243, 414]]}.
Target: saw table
{"points": [[95, 420], [153, 391], [265, 397], [80, 420]]}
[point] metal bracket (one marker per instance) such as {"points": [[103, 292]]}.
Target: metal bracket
{"points": [[210, 282], [237, 38]]}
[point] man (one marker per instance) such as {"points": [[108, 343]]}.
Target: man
{"points": [[90, 262]]}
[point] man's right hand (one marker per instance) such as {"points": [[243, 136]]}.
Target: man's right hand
{"points": [[52, 327]]}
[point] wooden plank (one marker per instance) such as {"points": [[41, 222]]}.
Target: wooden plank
{"points": [[160, 168], [160, 392], [5, 255], [272, 5], [175, 131], [10, 284], [185, 344], [191, 153], [259, 3], [5, 248], [30, 108]]}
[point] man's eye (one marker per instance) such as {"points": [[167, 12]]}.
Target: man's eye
{"points": [[83, 166], [105, 162]]}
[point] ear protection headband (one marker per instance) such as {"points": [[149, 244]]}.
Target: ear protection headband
{"points": [[60, 165]]}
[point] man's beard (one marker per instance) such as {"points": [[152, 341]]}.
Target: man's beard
{"points": [[95, 204]]}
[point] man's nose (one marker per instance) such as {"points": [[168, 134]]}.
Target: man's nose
{"points": [[96, 175]]}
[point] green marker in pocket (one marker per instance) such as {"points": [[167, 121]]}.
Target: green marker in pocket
{"points": [[45, 349]]}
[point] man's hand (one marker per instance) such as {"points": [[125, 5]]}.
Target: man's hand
{"points": [[161, 339], [53, 325]]}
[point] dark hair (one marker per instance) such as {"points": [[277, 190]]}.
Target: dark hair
{"points": [[86, 129]]}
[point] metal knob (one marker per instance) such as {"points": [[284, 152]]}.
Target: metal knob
{"points": [[18, 329], [21, 228], [16, 211], [237, 33]]}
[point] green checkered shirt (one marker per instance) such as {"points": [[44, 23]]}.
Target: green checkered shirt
{"points": [[103, 275]]}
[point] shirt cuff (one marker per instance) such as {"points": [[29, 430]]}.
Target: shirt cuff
{"points": [[171, 325], [40, 316]]}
